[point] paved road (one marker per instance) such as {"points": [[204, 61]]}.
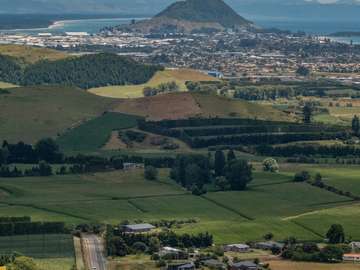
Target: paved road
{"points": [[93, 252]]}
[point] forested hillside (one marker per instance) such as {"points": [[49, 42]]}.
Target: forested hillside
{"points": [[85, 72]]}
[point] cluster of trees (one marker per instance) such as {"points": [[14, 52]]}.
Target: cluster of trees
{"points": [[193, 172], [130, 136], [162, 88], [17, 261], [10, 69], [246, 129], [119, 243], [308, 150], [45, 149], [85, 72], [173, 223], [331, 253], [199, 133], [231, 173], [14, 227], [255, 138], [256, 93], [42, 169]]}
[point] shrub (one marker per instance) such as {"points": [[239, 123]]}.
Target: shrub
{"points": [[270, 165], [302, 176], [151, 173]]}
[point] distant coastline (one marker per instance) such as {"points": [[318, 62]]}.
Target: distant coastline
{"points": [[29, 22], [346, 34]]}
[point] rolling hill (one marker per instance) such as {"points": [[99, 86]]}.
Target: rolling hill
{"points": [[85, 71], [184, 105], [191, 16], [31, 55], [180, 76], [46, 111]]}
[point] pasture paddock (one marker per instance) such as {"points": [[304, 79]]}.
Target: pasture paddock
{"points": [[180, 76], [230, 216]]}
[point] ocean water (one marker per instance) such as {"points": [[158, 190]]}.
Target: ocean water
{"points": [[90, 26]]}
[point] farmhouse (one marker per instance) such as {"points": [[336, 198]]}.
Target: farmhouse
{"points": [[181, 266], [355, 245], [213, 264], [237, 248], [352, 257], [132, 166], [245, 265], [173, 252], [269, 245], [138, 228]]}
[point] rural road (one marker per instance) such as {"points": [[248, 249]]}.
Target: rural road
{"points": [[93, 252]]}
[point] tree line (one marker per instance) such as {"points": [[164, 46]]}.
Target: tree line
{"points": [[15, 227], [85, 72], [119, 243], [46, 152], [308, 150]]}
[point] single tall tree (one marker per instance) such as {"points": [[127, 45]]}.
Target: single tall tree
{"points": [[219, 163], [307, 113], [336, 234], [355, 125], [231, 156]]}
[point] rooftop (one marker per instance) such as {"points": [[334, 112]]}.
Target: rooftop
{"points": [[144, 226]]}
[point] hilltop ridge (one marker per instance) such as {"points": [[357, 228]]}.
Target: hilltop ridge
{"points": [[190, 16]]}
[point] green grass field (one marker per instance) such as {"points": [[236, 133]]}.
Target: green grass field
{"points": [[46, 111], [343, 177], [180, 76], [39, 246], [55, 264], [348, 216], [93, 134], [271, 204]]}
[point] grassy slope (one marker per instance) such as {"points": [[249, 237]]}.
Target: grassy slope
{"points": [[345, 177], [4, 85], [212, 105], [115, 196], [46, 111], [93, 134], [184, 105], [31, 54], [135, 91]]}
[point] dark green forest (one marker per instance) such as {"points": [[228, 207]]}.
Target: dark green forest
{"points": [[85, 72]]}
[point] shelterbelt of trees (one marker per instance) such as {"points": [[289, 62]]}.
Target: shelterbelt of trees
{"points": [[85, 72]]}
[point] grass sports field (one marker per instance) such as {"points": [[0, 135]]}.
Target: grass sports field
{"points": [[272, 204], [94, 134], [39, 246], [180, 76]]}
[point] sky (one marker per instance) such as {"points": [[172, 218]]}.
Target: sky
{"points": [[274, 8]]}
